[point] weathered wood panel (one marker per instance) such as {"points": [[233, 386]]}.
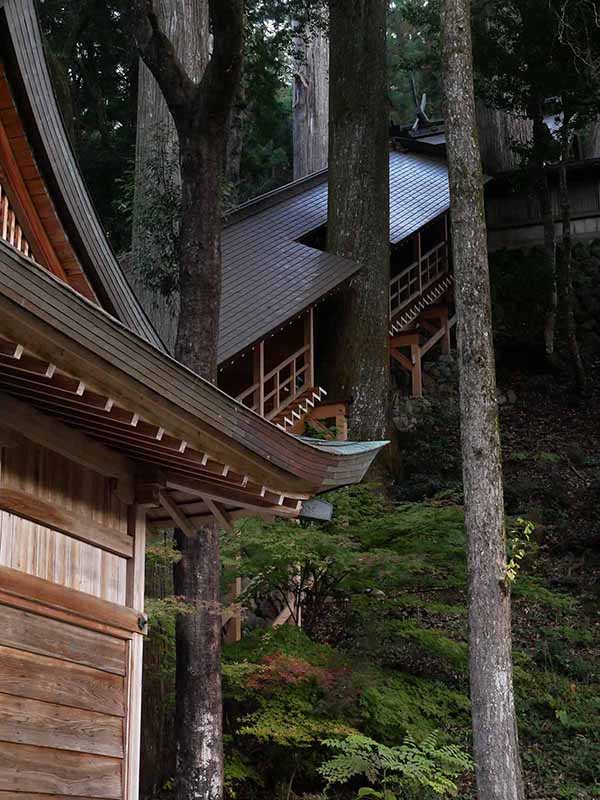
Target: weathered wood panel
{"points": [[48, 514], [24, 721], [39, 678], [30, 796], [49, 637], [54, 478], [36, 769], [47, 599], [33, 548]]}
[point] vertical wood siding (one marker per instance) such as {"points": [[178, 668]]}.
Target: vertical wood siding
{"points": [[47, 554]]}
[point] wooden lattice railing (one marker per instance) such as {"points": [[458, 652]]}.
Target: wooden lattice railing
{"points": [[280, 386], [10, 230], [414, 280]]}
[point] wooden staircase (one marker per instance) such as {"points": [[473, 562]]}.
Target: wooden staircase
{"points": [[430, 297], [299, 407]]}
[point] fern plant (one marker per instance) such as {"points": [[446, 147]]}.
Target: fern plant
{"points": [[389, 770]]}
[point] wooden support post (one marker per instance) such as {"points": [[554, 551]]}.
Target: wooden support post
{"points": [[258, 376], [419, 254], [136, 524], [446, 344], [309, 341], [416, 374]]}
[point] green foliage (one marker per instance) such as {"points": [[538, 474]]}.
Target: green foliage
{"points": [[530, 50], [395, 703], [519, 539], [408, 767], [413, 35], [94, 68], [239, 771]]}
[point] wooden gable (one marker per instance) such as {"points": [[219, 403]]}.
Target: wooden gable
{"points": [[29, 220]]}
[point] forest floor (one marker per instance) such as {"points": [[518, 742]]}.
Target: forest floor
{"points": [[389, 658]]}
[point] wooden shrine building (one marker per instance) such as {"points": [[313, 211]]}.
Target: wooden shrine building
{"points": [[279, 290], [102, 434]]}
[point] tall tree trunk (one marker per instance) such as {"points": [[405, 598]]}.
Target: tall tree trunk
{"points": [[185, 22], [201, 111], [565, 282], [495, 740], [358, 224], [544, 196], [158, 744], [498, 133], [235, 146], [311, 102], [590, 140], [199, 713]]}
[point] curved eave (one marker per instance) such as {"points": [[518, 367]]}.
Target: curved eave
{"points": [[23, 50], [42, 312]]}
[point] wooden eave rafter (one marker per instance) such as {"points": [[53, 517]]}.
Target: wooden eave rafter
{"points": [[30, 199], [63, 413]]}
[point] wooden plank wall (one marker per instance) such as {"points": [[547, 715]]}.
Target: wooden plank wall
{"points": [[63, 706], [45, 553], [70, 680]]}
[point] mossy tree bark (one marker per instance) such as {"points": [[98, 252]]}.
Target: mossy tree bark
{"points": [[495, 740], [358, 224], [201, 112]]}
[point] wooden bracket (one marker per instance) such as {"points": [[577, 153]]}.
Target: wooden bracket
{"points": [[176, 514], [219, 513]]}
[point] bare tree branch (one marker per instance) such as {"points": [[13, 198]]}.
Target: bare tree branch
{"points": [[160, 57], [221, 78]]}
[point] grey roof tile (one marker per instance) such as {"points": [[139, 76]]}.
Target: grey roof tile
{"points": [[269, 277]]}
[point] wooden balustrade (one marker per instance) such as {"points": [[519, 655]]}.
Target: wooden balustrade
{"points": [[281, 385], [10, 230], [415, 279], [284, 383], [272, 391]]}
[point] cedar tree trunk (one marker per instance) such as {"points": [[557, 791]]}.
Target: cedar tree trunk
{"points": [[495, 741], [311, 102], [185, 23], [235, 145], [565, 282], [358, 224], [201, 112], [590, 140], [498, 132], [541, 135]]}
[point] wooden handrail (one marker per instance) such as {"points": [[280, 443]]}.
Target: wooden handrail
{"points": [[285, 363], [423, 277], [280, 384], [247, 392]]}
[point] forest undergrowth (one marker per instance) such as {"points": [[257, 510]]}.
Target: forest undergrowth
{"points": [[370, 699]]}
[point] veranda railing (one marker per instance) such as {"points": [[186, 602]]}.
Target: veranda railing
{"points": [[279, 387], [10, 230], [415, 279]]}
